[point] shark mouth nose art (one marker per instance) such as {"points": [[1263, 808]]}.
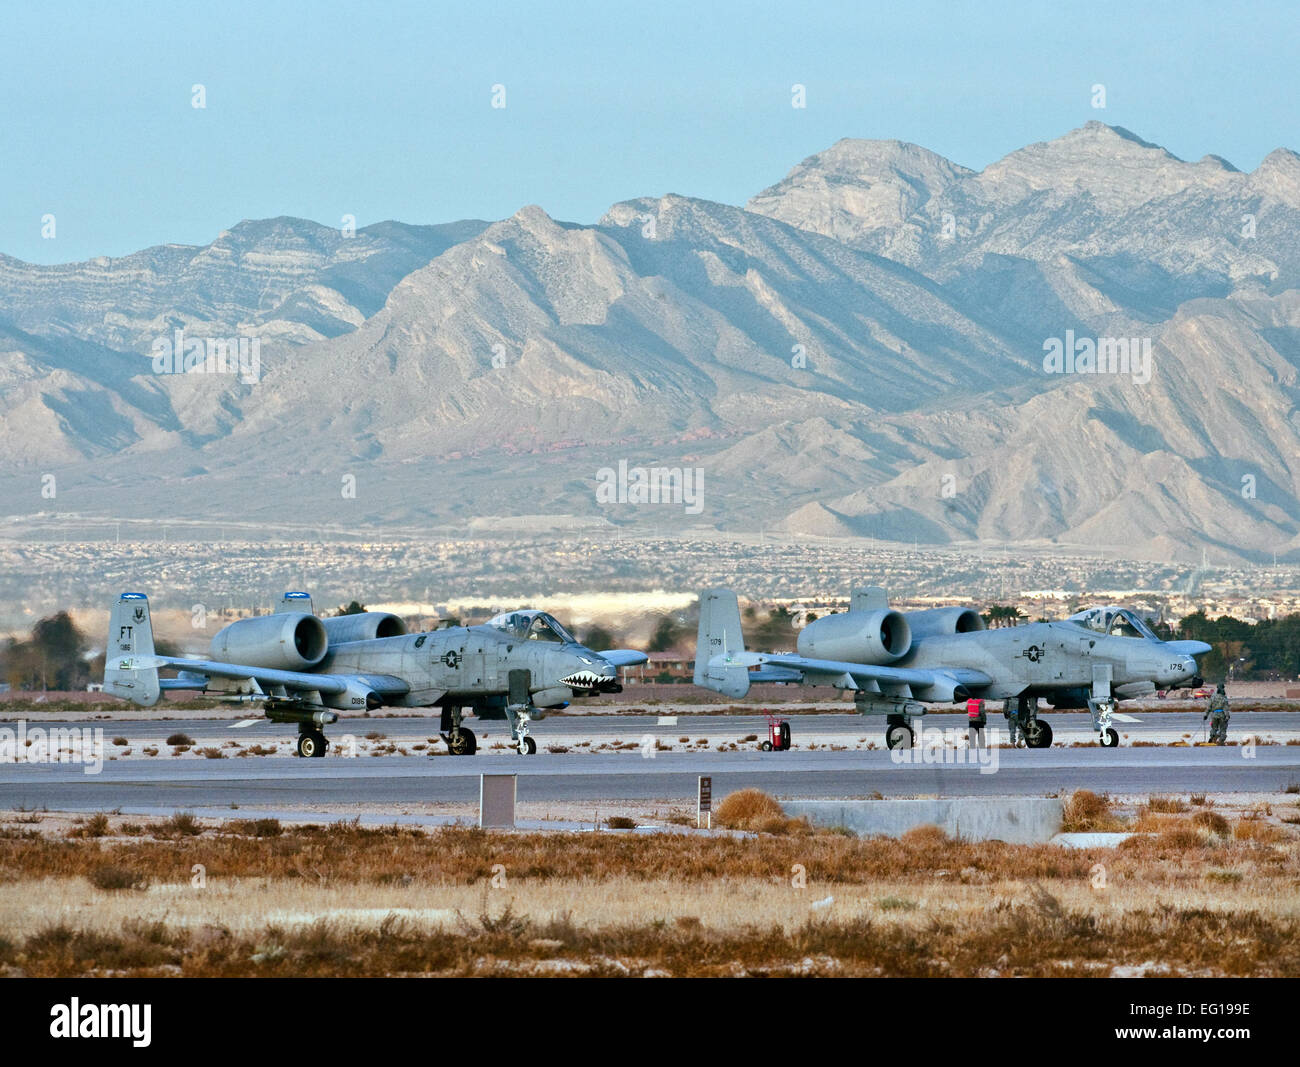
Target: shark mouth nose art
{"points": [[584, 679]]}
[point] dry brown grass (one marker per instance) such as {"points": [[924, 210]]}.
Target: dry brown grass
{"points": [[1149, 822], [1257, 830], [348, 899], [744, 806], [1086, 812], [1170, 805], [110, 876], [754, 810], [95, 826], [350, 853], [1212, 821], [1032, 934]]}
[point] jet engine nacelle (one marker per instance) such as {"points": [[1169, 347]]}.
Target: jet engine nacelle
{"points": [[364, 626], [357, 697], [939, 622], [870, 637], [287, 641]]}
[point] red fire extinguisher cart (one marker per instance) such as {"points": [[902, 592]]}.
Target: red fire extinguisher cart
{"points": [[778, 735]]}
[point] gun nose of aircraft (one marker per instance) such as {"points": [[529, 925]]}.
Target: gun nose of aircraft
{"points": [[589, 674]]}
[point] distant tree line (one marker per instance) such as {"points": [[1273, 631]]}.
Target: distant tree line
{"points": [[57, 656], [52, 658], [1265, 650]]}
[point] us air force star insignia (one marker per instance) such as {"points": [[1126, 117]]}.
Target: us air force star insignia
{"points": [[1033, 653], [452, 659]]}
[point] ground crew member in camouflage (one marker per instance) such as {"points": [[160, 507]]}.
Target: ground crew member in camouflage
{"points": [[1218, 713], [1012, 712]]}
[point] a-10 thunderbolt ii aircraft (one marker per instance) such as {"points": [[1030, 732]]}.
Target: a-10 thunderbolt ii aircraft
{"points": [[305, 670], [897, 662]]}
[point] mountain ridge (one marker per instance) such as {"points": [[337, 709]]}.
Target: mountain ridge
{"points": [[856, 352]]}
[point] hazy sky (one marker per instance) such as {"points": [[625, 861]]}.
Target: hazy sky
{"points": [[324, 109]]}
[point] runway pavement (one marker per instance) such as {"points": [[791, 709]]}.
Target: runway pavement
{"points": [[567, 728], [337, 782]]}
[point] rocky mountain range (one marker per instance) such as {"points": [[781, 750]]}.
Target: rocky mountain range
{"points": [[859, 351]]}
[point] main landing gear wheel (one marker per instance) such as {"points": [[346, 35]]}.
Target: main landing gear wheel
{"points": [[312, 743], [1038, 734], [527, 746], [462, 743], [1110, 737], [899, 736]]}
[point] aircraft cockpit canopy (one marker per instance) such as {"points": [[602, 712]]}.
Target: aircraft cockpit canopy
{"points": [[1114, 622], [533, 625]]}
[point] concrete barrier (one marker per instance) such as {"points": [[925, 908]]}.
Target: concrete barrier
{"points": [[1016, 820]]}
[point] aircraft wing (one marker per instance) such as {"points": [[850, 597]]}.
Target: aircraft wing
{"points": [[623, 657], [941, 685], [195, 673]]}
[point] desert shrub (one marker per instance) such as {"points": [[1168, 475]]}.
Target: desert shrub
{"points": [[926, 837], [180, 739], [1184, 836], [1084, 810], [182, 824], [1257, 830], [1212, 821], [95, 826], [111, 877], [737, 810]]}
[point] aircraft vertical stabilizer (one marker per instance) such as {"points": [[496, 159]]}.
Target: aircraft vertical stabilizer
{"points": [[869, 598], [720, 637], [130, 666], [295, 602]]}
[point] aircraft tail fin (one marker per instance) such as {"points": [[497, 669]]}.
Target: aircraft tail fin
{"points": [[869, 598], [719, 638], [295, 602], [130, 665]]}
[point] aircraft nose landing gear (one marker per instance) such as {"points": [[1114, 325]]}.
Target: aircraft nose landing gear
{"points": [[1102, 710], [518, 717], [518, 710]]}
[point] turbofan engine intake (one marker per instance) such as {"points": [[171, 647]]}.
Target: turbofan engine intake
{"points": [[939, 622], [287, 641], [871, 637], [363, 626]]}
